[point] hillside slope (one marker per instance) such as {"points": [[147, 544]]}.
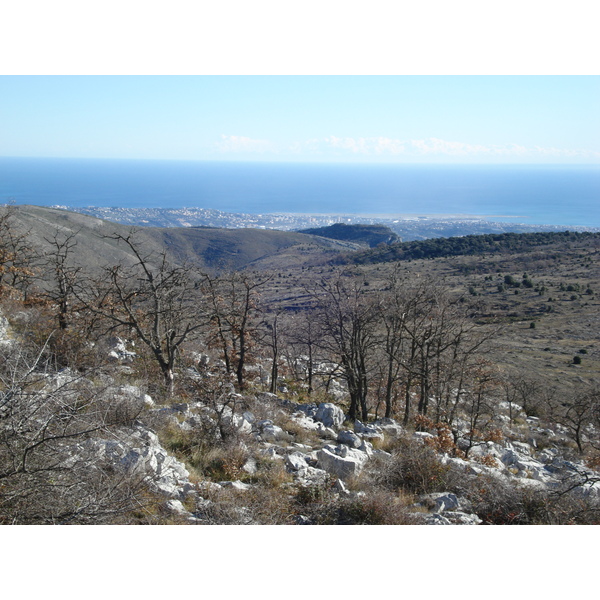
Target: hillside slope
{"points": [[366, 235], [213, 248]]}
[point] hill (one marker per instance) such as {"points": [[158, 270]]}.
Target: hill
{"points": [[367, 235], [470, 245], [207, 247]]}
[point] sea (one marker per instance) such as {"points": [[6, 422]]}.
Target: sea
{"points": [[532, 194]]}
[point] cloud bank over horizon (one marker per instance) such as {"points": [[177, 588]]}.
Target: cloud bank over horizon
{"points": [[332, 147]]}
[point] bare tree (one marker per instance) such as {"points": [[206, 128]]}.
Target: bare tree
{"points": [[581, 416], [348, 321], [48, 472], [17, 256], [159, 301], [303, 337], [233, 315], [61, 275]]}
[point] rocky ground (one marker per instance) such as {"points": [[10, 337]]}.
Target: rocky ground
{"points": [[214, 456]]}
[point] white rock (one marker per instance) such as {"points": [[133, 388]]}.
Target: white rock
{"points": [[461, 518], [296, 461], [349, 438], [443, 501], [389, 427], [326, 432], [436, 519], [269, 432], [368, 431], [236, 485], [343, 462], [330, 415], [311, 476], [423, 435]]}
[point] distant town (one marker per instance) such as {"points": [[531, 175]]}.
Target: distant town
{"points": [[408, 227]]}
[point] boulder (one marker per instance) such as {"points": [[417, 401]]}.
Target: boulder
{"points": [[269, 432], [442, 501], [389, 427], [330, 415], [349, 438], [341, 461], [295, 461], [368, 431]]}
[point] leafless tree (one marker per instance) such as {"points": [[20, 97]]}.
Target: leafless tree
{"points": [[61, 275], [48, 472], [234, 318], [159, 301], [17, 256], [348, 321], [581, 416]]}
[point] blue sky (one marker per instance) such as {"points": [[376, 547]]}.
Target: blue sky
{"points": [[437, 119]]}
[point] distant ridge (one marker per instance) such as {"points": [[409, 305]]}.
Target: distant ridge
{"points": [[207, 247], [468, 245], [369, 235], [408, 227]]}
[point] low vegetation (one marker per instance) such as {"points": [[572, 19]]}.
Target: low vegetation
{"points": [[153, 390]]}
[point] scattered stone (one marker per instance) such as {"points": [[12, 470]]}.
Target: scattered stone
{"points": [[236, 485]]}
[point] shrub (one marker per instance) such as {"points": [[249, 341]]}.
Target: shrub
{"points": [[379, 508], [415, 468]]}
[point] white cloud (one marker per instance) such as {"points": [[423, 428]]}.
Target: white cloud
{"points": [[381, 146], [437, 146], [238, 143], [374, 145]]}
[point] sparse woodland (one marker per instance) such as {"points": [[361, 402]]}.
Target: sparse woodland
{"points": [[155, 392]]}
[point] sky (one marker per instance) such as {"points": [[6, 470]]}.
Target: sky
{"points": [[323, 81], [437, 119]]}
